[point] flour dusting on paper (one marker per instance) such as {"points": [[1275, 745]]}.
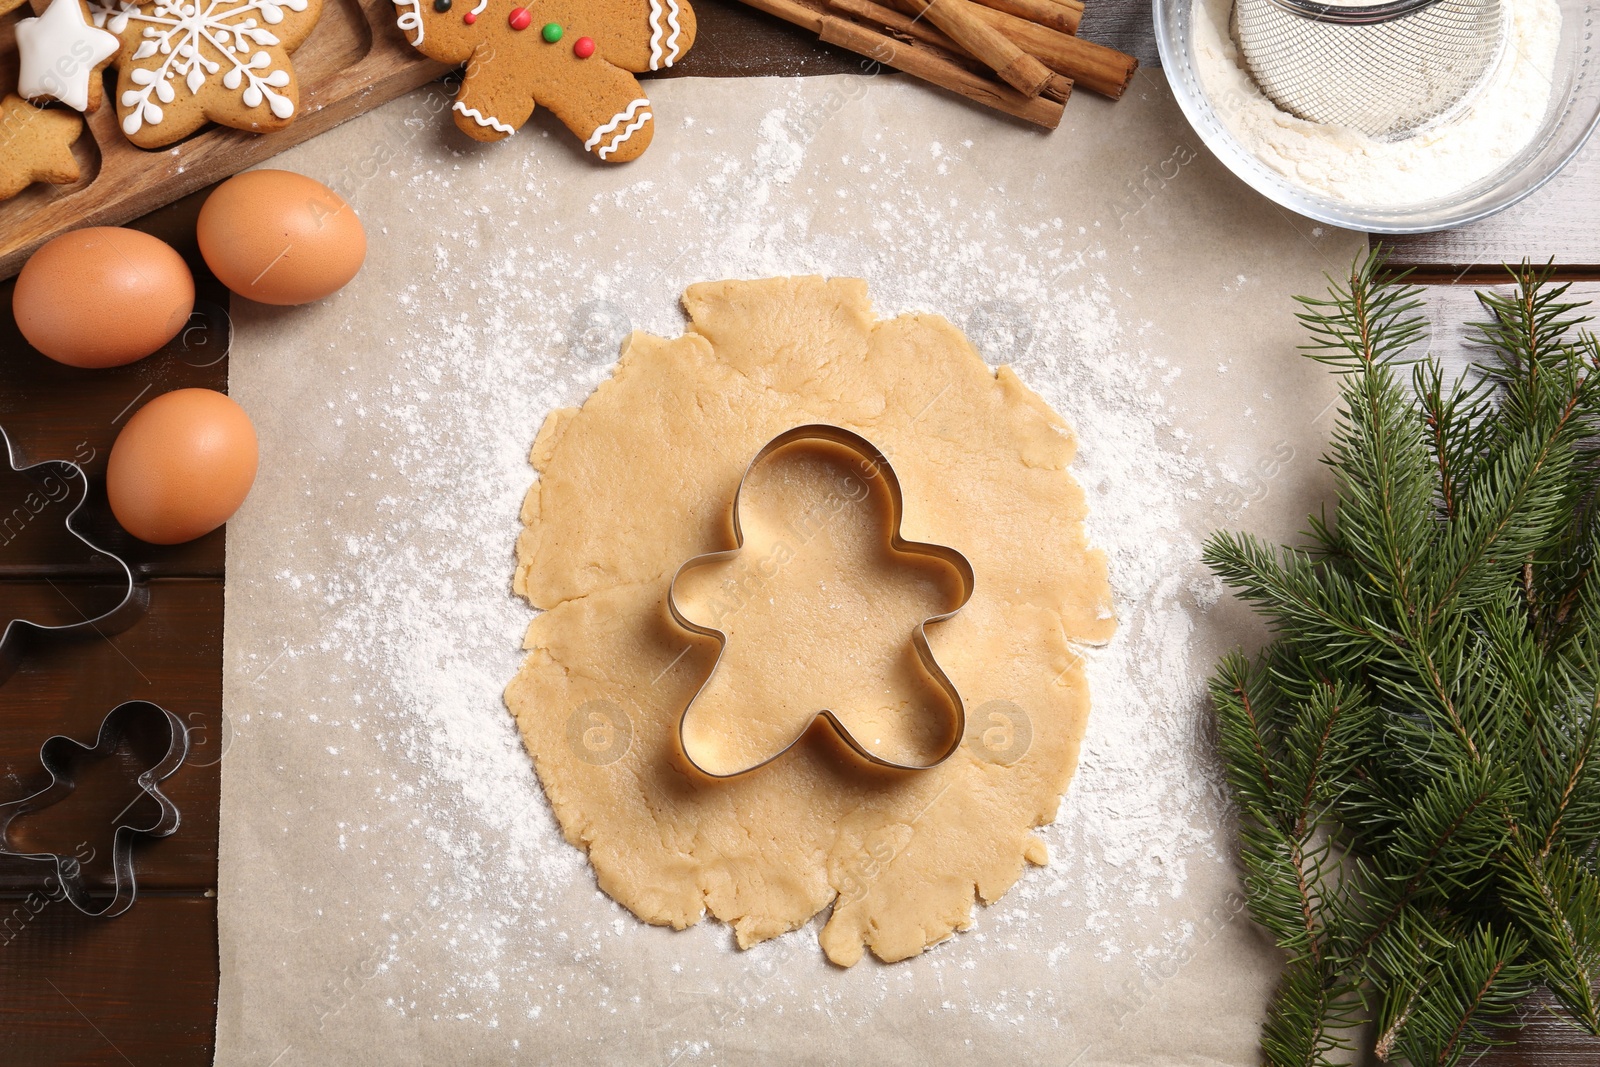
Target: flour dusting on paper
{"points": [[413, 599]]}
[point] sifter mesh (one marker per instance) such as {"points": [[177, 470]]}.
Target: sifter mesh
{"points": [[1384, 69]]}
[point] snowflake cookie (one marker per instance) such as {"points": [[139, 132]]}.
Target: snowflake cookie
{"points": [[184, 63], [576, 57]]}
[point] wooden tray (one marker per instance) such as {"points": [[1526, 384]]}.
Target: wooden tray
{"points": [[355, 59]]}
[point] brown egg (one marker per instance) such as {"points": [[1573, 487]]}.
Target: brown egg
{"points": [[182, 466], [102, 297], [280, 238]]}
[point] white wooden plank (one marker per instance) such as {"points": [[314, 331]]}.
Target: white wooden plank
{"points": [[1560, 220], [1451, 307]]}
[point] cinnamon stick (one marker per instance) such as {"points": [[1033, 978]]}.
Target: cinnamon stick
{"points": [[1060, 15], [962, 20], [1093, 66], [920, 30], [920, 63], [919, 60]]}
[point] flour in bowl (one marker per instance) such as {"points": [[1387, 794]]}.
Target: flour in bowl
{"points": [[1347, 165]]}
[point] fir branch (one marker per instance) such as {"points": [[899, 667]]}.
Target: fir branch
{"points": [[1470, 1004], [1242, 697], [1557, 903], [1457, 425], [1379, 453], [1576, 772], [1400, 966], [1363, 323], [1512, 506], [1416, 757], [1321, 606], [1308, 1010]]}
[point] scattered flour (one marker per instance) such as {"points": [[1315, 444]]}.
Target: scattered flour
{"points": [[1347, 165], [417, 619]]}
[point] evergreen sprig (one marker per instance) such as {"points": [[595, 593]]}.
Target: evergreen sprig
{"points": [[1416, 756]]}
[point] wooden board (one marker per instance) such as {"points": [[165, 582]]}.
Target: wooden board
{"points": [[354, 60]]}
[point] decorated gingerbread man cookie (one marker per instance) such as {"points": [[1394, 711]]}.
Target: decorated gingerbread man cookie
{"points": [[183, 63], [572, 56]]}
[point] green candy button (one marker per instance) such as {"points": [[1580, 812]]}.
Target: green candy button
{"points": [[552, 32]]}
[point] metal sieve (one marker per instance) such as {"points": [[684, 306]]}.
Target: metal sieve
{"points": [[1384, 69]]}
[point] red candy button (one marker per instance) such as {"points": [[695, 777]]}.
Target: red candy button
{"points": [[583, 47], [520, 19], [469, 18]]}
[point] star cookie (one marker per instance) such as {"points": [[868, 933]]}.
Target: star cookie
{"points": [[184, 63], [576, 57], [61, 55], [35, 146]]}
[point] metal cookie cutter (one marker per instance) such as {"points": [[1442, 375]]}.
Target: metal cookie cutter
{"points": [[119, 617], [874, 464], [124, 727]]}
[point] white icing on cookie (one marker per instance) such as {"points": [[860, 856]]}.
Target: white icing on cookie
{"points": [[664, 50], [674, 50], [199, 40], [640, 107], [411, 20], [59, 51], [479, 9], [644, 117], [481, 119]]}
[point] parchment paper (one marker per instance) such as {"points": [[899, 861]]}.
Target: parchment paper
{"points": [[393, 888]]}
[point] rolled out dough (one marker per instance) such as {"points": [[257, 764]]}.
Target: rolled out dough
{"points": [[640, 478]]}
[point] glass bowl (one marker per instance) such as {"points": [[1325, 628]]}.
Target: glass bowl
{"points": [[1571, 116]]}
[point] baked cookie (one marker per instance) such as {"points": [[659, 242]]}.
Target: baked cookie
{"points": [[184, 63], [35, 146], [61, 54], [576, 58]]}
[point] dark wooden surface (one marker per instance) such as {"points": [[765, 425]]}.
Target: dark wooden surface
{"points": [[141, 989]]}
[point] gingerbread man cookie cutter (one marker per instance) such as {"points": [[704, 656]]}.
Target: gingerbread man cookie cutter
{"points": [[874, 464], [123, 614], [126, 723]]}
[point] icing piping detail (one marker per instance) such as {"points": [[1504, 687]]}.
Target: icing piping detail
{"points": [[616, 120], [483, 120], [411, 20], [664, 50], [644, 117], [673, 51]]}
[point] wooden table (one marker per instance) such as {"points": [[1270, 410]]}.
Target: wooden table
{"points": [[141, 989]]}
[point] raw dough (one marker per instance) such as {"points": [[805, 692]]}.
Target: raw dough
{"points": [[640, 479]]}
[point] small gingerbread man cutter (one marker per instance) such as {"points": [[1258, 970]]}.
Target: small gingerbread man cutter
{"points": [[60, 756], [874, 464]]}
